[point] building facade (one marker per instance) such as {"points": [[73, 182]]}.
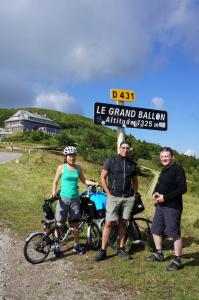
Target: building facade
{"points": [[23, 121]]}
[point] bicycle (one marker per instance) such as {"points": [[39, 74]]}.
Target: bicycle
{"points": [[38, 245], [138, 230]]}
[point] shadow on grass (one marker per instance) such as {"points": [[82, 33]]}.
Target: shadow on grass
{"points": [[112, 255], [139, 247], [195, 259], [188, 241]]}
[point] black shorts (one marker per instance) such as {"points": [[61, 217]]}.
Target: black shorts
{"points": [[167, 218]]}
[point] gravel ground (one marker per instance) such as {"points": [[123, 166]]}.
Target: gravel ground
{"points": [[53, 279]]}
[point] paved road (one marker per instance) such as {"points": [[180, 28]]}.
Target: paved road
{"points": [[153, 182], [7, 156]]}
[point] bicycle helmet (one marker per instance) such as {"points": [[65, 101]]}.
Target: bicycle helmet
{"points": [[70, 150]]}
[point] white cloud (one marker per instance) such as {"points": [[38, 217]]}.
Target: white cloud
{"points": [[58, 101], [109, 37], [158, 102], [190, 152], [72, 41]]}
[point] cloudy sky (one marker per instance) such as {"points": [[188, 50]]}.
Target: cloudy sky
{"points": [[68, 54]]}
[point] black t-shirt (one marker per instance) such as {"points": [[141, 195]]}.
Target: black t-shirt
{"points": [[120, 172], [172, 184]]}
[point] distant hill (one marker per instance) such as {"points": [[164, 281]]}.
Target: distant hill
{"points": [[66, 121]]}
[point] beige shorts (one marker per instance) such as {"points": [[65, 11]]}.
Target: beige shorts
{"points": [[118, 207]]}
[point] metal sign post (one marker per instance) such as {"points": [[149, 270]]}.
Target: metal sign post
{"points": [[120, 96], [120, 131]]}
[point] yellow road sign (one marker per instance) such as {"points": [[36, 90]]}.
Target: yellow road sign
{"points": [[122, 95]]}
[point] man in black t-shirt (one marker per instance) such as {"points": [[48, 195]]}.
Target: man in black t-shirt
{"points": [[120, 190], [168, 193]]}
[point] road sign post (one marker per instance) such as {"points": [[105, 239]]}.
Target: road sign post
{"points": [[120, 96], [120, 131]]}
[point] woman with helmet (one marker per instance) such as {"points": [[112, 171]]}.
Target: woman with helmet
{"points": [[69, 204]]}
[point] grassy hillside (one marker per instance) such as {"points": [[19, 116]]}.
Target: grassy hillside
{"points": [[5, 114], [96, 143]]}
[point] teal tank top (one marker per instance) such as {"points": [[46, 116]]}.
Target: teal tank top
{"points": [[69, 180]]}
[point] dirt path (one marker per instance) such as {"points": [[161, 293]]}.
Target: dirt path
{"points": [[54, 279]]}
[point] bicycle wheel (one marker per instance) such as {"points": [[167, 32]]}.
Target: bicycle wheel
{"points": [[144, 226], [37, 247], [94, 236], [133, 232], [100, 223]]}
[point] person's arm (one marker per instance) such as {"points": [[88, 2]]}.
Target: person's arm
{"points": [[84, 180], [56, 180], [104, 174], [135, 184]]}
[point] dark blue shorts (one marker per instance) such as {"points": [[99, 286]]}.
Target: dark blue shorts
{"points": [[167, 218]]}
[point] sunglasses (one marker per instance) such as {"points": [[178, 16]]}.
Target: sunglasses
{"points": [[125, 148]]}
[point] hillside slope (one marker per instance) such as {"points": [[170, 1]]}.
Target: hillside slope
{"points": [[95, 143]]}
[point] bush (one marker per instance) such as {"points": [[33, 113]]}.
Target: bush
{"points": [[63, 139], [28, 136]]}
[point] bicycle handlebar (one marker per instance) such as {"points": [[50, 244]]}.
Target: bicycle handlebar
{"points": [[52, 199], [94, 189]]}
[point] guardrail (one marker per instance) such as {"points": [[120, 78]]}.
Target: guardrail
{"points": [[11, 147]]}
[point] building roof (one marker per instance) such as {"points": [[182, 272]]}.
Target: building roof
{"points": [[33, 117]]}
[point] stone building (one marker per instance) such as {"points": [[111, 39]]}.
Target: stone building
{"points": [[23, 121]]}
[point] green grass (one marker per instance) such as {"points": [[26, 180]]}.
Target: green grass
{"points": [[148, 164], [26, 184], [23, 187]]}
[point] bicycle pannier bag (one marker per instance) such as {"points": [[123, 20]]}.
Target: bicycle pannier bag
{"points": [[83, 203], [87, 206], [91, 209], [99, 199], [100, 214], [47, 211], [139, 205]]}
